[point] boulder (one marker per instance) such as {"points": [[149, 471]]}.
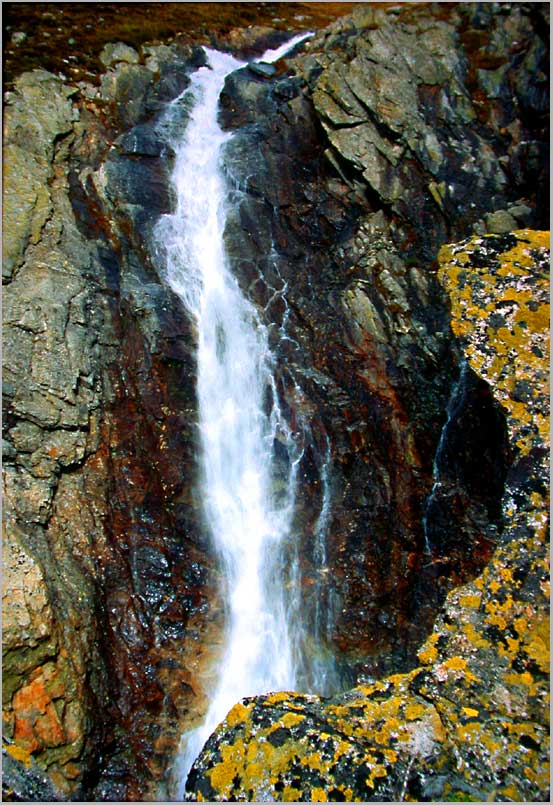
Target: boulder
{"points": [[115, 52]]}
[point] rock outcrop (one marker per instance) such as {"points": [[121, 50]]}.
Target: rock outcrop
{"points": [[105, 571], [471, 721], [381, 140], [54, 677], [395, 131]]}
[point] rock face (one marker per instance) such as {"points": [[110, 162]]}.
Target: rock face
{"points": [[54, 675], [351, 167], [470, 722], [105, 571], [395, 132]]}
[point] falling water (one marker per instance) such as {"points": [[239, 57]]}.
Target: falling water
{"points": [[455, 402], [249, 523]]}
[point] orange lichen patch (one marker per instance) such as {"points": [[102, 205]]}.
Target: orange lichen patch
{"points": [[36, 720]]}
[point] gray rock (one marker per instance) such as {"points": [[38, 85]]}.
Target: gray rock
{"points": [[262, 69], [115, 52], [18, 37], [521, 213], [500, 222], [28, 150], [126, 84]]}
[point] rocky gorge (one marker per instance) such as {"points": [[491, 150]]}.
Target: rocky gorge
{"points": [[390, 183]]}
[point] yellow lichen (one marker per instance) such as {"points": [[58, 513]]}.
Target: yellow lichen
{"points": [[474, 637], [470, 600], [223, 773], [510, 793], [536, 644], [450, 713], [375, 772], [414, 711], [456, 663], [507, 351], [314, 761], [238, 714], [291, 794], [427, 654], [524, 678], [291, 719], [276, 698], [253, 773], [18, 753]]}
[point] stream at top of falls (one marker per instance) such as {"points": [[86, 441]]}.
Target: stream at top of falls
{"points": [[249, 516]]}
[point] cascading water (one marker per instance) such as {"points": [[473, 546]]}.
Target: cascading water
{"points": [[248, 521]]}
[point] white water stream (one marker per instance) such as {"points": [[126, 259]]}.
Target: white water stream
{"points": [[248, 522]]}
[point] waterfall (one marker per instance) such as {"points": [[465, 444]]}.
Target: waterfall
{"points": [[239, 416]]}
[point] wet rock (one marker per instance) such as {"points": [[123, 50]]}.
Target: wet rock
{"points": [[23, 780], [353, 219], [262, 69], [153, 532], [142, 140], [470, 720], [82, 600], [343, 196]]}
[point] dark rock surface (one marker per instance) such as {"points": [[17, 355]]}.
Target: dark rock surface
{"points": [[471, 721], [350, 168], [395, 131]]}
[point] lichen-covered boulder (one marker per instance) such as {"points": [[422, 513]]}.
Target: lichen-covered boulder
{"points": [[471, 721]]}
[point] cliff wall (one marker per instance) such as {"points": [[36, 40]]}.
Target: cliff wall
{"points": [[395, 131]]}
